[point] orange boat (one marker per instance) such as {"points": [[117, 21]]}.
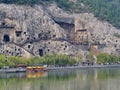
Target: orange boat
{"points": [[36, 69]]}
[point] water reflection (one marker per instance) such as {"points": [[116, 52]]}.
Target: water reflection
{"points": [[36, 74], [77, 79]]}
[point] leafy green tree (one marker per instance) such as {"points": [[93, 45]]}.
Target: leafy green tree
{"points": [[103, 58], [90, 57], [79, 58], [113, 59]]}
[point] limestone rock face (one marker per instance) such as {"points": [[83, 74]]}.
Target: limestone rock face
{"points": [[100, 32], [39, 30], [31, 24]]}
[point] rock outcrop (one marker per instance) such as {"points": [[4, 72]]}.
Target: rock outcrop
{"points": [[39, 30]]}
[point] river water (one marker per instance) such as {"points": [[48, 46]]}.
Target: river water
{"points": [[74, 79]]}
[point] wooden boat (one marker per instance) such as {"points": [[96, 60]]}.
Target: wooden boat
{"points": [[36, 69]]}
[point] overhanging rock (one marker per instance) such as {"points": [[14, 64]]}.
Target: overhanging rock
{"points": [[68, 20]]}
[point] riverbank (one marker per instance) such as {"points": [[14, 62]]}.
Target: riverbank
{"points": [[15, 70], [84, 67]]}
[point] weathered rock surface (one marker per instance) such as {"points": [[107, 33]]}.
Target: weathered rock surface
{"points": [[38, 30], [99, 31]]}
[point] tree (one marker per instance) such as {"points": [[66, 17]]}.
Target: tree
{"points": [[90, 57], [79, 58], [103, 58]]}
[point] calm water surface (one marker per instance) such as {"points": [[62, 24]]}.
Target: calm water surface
{"points": [[77, 79]]}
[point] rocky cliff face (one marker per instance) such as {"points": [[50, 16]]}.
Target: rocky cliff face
{"points": [[39, 30]]}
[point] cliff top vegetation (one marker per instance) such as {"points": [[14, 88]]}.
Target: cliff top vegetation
{"points": [[108, 10]]}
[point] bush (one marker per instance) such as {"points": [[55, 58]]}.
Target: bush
{"points": [[107, 58], [54, 59]]}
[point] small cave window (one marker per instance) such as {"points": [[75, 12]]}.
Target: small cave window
{"points": [[65, 46], [29, 46], [45, 36], [115, 46], [3, 23], [40, 52], [18, 49], [54, 36], [7, 51], [12, 53], [48, 50], [28, 38], [48, 42], [31, 42], [6, 38], [34, 38], [18, 33], [49, 32], [39, 35], [22, 39], [24, 32], [43, 21]]}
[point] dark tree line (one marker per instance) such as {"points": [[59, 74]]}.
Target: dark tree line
{"points": [[108, 10]]}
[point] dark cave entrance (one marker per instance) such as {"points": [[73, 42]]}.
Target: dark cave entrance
{"points": [[6, 38], [40, 52], [67, 26], [18, 33]]}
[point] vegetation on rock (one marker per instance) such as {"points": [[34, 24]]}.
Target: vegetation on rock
{"points": [[59, 60], [55, 60], [108, 10], [117, 35]]}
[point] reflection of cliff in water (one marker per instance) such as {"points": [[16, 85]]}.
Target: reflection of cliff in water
{"points": [[62, 74], [75, 79], [12, 75], [65, 74]]}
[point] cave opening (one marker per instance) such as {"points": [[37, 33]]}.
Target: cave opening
{"points": [[18, 33], [40, 35], [67, 26], [3, 23], [40, 52], [6, 38], [29, 46]]}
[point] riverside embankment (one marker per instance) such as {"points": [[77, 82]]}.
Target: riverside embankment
{"points": [[14, 70]]}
